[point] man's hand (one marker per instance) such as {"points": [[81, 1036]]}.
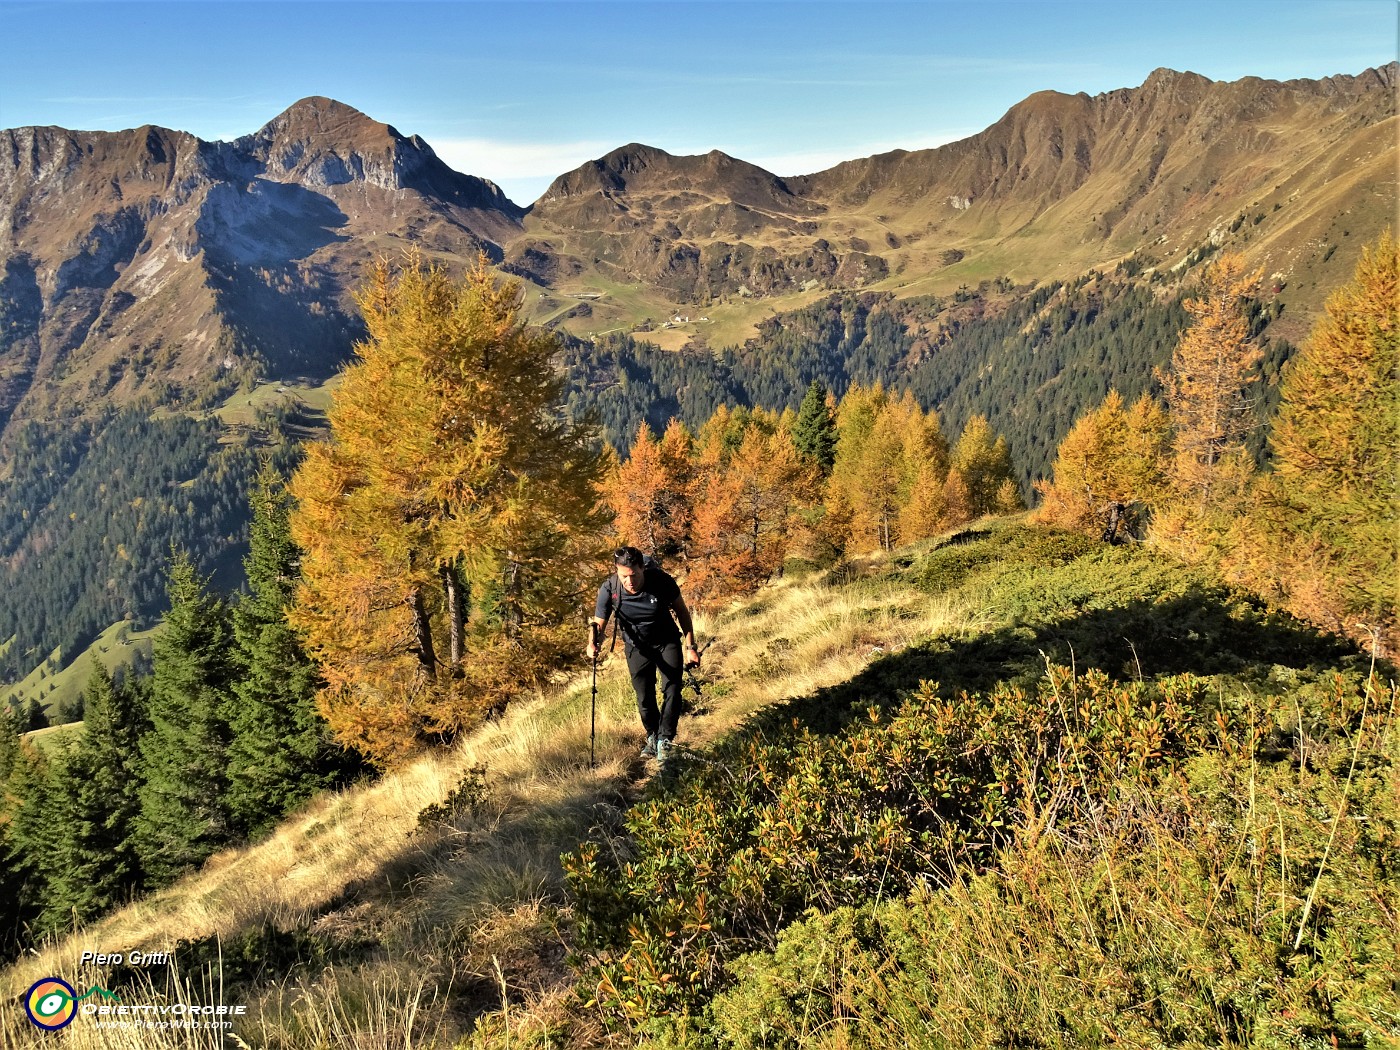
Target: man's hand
{"points": [[692, 656]]}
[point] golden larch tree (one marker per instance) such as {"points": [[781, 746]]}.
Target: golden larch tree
{"points": [[983, 462], [444, 520], [1336, 457], [1109, 468], [1210, 474], [1207, 384]]}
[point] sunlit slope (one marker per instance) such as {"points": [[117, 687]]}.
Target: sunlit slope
{"points": [[433, 901]]}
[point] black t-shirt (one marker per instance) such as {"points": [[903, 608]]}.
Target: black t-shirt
{"points": [[646, 615]]}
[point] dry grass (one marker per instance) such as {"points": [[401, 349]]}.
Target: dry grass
{"points": [[470, 908]]}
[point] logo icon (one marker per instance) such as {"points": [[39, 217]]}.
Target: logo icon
{"points": [[51, 1003]]}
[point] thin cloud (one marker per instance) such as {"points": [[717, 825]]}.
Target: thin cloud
{"points": [[522, 169], [113, 100], [497, 160]]}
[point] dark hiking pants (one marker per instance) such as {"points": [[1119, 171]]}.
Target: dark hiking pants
{"points": [[644, 661]]}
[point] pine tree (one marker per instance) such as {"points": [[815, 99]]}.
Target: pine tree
{"points": [[34, 716], [96, 864], [280, 753], [18, 899], [1335, 446], [31, 833], [184, 754], [814, 432], [445, 520]]}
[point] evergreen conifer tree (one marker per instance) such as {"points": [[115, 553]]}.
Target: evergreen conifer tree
{"points": [[184, 754], [34, 716], [280, 752], [814, 432], [31, 833], [55, 848], [96, 863], [12, 860]]}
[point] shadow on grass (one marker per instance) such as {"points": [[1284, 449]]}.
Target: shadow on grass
{"points": [[1204, 631]]}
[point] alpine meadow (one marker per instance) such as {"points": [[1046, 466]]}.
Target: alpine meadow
{"points": [[1035, 496]]}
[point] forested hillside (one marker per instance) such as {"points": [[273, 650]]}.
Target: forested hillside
{"points": [[89, 515], [1131, 759], [1030, 360]]}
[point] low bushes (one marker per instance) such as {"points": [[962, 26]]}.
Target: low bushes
{"points": [[1153, 856]]}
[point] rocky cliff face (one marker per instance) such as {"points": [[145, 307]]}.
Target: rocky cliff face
{"points": [[150, 262], [698, 227], [1164, 162]]}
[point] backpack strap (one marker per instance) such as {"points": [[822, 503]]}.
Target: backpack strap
{"points": [[615, 588]]}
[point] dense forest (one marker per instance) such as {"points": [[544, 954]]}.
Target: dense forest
{"points": [[90, 513], [1030, 360]]}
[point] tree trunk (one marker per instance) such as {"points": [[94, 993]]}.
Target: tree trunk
{"points": [[427, 659], [513, 612], [1115, 518], [455, 592]]}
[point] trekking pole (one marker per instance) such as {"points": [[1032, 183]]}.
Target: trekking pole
{"points": [[593, 715], [690, 674]]}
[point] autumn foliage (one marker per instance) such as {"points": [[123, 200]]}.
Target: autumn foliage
{"points": [[755, 488], [1335, 492], [1315, 532], [445, 518]]}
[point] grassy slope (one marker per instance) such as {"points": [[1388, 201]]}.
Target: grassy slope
{"points": [[409, 915], [116, 648]]}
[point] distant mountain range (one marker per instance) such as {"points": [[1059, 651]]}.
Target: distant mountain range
{"points": [[149, 262], [208, 285]]}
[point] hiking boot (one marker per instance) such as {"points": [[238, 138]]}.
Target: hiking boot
{"points": [[649, 748], [663, 750]]}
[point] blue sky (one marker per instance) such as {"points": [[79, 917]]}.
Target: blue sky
{"points": [[521, 92]]}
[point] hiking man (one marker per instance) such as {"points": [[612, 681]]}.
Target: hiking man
{"points": [[654, 622]]}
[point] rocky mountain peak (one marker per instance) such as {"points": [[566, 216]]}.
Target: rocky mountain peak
{"points": [[636, 169], [322, 143]]}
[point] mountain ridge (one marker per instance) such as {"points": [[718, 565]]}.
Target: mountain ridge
{"points": [[150, 268]]}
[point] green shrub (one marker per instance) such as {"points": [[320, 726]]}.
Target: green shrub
{"points": [[780, 823], [1170, 919], [1012, 547]]}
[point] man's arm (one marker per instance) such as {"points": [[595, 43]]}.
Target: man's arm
{"points": [[595, 635], [687, 625], [602, 609]]}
